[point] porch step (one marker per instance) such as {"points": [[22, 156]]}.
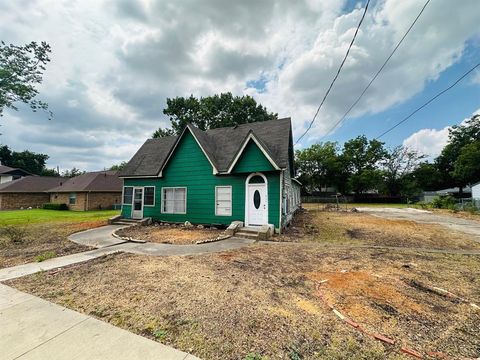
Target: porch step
{"points": [[125, 221], [247, 235]]}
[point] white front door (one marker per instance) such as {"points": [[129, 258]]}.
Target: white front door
{"points": [[137, 208], [257, 205]]}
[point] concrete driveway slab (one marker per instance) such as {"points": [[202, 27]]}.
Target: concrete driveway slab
{"points": [[32, 328]]}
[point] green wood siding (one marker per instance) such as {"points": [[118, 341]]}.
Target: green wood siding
{"points": [[188, 167], [252, 160]]}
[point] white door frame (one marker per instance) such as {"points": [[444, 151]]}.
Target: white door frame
{"points": [[135, 216], [247, 200]]}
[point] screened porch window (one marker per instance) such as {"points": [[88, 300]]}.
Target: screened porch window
{"points": [[128, 195], [174, 200], [149, 196]]}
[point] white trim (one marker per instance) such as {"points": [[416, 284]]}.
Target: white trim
{"points": [[251, 136], [133, 202], [247, 181], [215, 171], [280, 204], [173, 187], [123, 193], [231, 199], [154, 195]]}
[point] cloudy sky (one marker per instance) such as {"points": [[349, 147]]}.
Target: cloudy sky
{"points": [[114, 63]]}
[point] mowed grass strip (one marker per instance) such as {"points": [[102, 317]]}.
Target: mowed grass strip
{"points": [[22, 217]]}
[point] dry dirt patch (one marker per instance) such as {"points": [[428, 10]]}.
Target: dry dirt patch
{"points": [[264, 300], [40, 239], [361, 228], [170, 234]]}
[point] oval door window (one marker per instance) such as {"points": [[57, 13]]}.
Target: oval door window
{"points": [[256, 199]]}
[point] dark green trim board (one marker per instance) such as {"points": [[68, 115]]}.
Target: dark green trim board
{"points": [[188, 167]]}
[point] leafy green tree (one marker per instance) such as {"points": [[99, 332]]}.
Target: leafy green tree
{"points": [[72, 173], [118, 167], [27, 160], [397, 165], [320, 166], [361, 158], [21, 70], [212, 112], [458, 137], [467, 166], [427, 176]]}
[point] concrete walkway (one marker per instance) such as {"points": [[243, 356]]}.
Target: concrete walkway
{"points": [[102, 237], [31, 268], [32, 328]]}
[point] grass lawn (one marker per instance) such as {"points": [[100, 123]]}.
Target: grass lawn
{"points": [[36, 235], [271, 301], [20, 217]]}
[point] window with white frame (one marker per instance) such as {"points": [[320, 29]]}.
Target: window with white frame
{"points": [[149, 196], [223, 201], [174, 200], [72, 198], [128, 195]]}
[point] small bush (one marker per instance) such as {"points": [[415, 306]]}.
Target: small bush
{"points": [[423, 205], [15, 234], [444, 202], [45, 256], [53, 206]]}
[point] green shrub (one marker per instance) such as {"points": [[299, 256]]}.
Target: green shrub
{"points": [[52, 206], [423, 205], [444, 202], [45, 256]]}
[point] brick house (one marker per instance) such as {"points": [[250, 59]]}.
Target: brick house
{"points": [[27, 191], [8, 174], [90, 191]]}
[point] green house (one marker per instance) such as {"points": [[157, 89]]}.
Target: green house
{"points": [[242, 173]]}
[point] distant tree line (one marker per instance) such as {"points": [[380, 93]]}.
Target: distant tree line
{"points": [[362, 165]]}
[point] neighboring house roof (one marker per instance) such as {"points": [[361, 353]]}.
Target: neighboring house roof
{"points": [[466, 189], [221, 146], [31, 184], [7, 170], [98, 181]]}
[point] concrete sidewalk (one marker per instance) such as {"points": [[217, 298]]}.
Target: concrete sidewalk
{"points": [[32, 328], [34, 267]]}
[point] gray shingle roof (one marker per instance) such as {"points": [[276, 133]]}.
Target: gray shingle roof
{"points": [[221, 146], [7, 169], [31, 184], [99, 181]]}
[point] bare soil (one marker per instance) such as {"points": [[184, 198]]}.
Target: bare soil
{"points": [[269, 301], [170, 234], [38, 239], [365, 229]]}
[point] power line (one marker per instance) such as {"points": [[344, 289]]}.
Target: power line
{"points": [[336, 75], [379, 70], [428, 102]]}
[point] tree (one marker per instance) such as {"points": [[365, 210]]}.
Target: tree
{"points": [[29, 161], [360, 158], [212, 112], [118, 167], [459, 136], [427, 176], [466, 169], [319, 166], [397, 165], [72, 173], [21, 69]]}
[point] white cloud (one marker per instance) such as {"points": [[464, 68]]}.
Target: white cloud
{"points": [[115, 62], [429, 142]]}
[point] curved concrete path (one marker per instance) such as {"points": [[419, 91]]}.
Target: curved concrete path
{"points": [[102, 237]]}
